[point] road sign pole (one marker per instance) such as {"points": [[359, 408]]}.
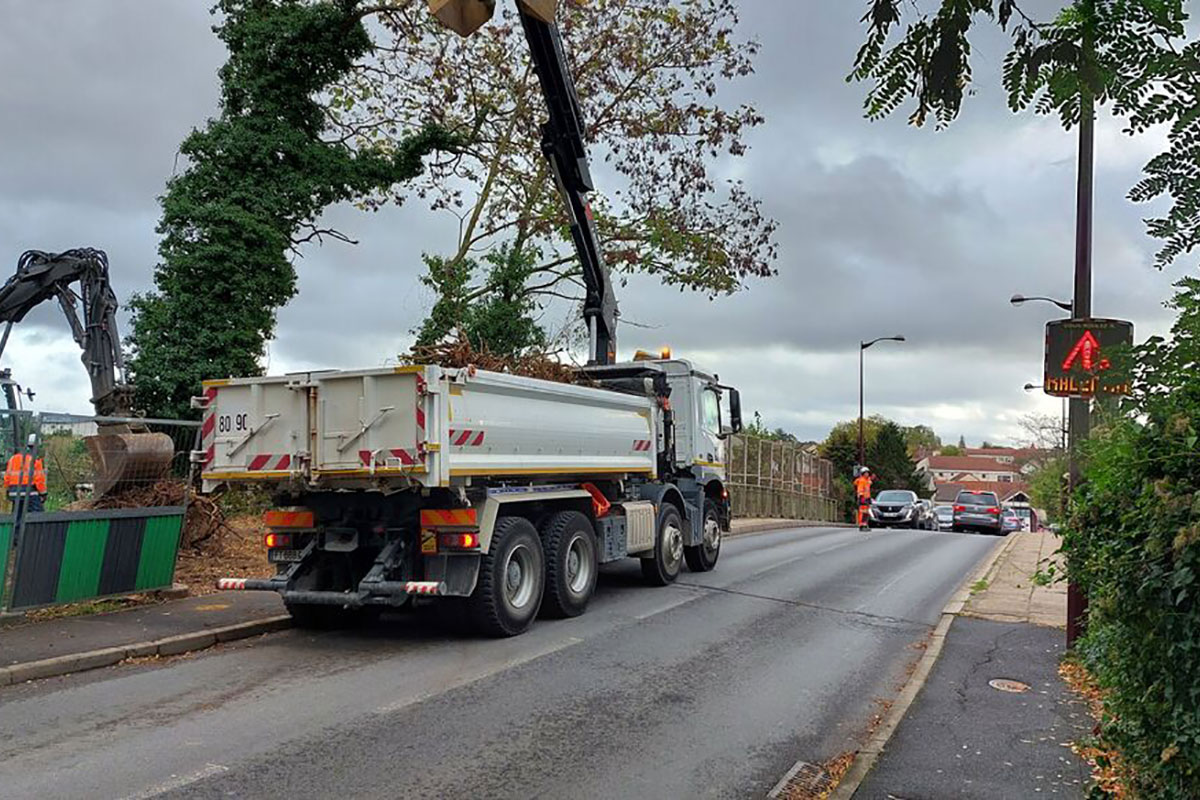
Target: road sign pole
{"points": [[1080, 419]]}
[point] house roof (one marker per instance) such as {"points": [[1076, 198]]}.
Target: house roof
{"points": [[1005, 490], [969, 464]]}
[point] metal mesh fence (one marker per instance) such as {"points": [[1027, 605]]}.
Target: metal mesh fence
{"points": [[86, 457], [776, 479]]}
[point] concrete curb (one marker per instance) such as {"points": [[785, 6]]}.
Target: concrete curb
{"points": [[170, 646], [869, 753]]}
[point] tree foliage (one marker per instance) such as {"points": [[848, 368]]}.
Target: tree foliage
{"points": [[648, 73], [1133, 55], [921, 437], [258, 177]]}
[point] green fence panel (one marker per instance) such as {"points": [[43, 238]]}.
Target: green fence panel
{"points": [[5, 551], [82, 560], [160, 544], [68, 556]]}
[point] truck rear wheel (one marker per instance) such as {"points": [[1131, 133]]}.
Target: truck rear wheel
{"points": [[663, 566], [511, 576], [571, 564], [703, 557]]}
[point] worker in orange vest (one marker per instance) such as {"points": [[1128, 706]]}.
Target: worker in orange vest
{"points": [[22, 471], [862, 491]]}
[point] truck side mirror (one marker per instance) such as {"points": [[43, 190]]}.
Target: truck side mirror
{"points": [[735, 411]]}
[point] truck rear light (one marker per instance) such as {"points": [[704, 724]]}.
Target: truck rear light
{"points": [[283, 518], [273, 540], [459, 541]]}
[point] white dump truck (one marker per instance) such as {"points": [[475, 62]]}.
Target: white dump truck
{"points": [[501, 492], [498, 493]]}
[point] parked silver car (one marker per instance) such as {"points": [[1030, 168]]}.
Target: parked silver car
{"points": [[945, 517]]}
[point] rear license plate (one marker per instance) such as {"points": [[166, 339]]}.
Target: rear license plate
{"points": [[284, 555]]}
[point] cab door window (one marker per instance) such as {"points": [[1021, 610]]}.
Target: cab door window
{"points": [[710, 412]]}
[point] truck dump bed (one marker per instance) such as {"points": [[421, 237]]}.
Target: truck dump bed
{"points": [[426, 425]]}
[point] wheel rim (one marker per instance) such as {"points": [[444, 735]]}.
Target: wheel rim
{"points": [[712, 537], [672, 546], [579, 565], [519, 576]]}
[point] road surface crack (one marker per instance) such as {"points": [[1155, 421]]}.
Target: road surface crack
{"points": [[861, 615]]}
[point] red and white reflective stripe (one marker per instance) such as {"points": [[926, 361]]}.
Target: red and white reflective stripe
{"points": [[641, 445], [231, 583], [425, 587], [406, 457], [466, 438], [209, 426], [272, 462]]}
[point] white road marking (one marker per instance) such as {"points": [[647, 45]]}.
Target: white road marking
{"points": [[178, 782]]}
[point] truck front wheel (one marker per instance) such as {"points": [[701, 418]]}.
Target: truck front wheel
{"points": [[511, 576], [703, 557], [571, 563], [663, 566]]}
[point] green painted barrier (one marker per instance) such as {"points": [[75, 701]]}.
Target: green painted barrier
{"points": [[65, 557], [5, 546]]}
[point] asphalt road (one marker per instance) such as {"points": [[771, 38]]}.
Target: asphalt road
{"points": [[712, 687]]}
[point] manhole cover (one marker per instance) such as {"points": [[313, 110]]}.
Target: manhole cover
{"points": [[1008, 685]]}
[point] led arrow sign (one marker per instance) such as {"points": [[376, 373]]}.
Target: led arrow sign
{"points": [[1078, 357]]}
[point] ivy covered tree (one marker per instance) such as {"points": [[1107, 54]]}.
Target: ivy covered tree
{"points": [[258, 177]]}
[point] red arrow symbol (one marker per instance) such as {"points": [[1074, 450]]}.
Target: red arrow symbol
{"points": [[1085, 350]]}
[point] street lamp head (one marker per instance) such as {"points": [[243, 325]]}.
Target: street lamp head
{"points": [[1029, 387], [899, 338], [1017, 299]]}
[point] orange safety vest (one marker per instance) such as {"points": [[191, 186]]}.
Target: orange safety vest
{"points": [[17, 473], [862, 486]]}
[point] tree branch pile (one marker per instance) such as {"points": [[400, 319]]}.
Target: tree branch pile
{"points": [[460, 353], [204, 522]]}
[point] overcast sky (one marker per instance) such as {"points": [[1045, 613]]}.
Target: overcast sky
{"points": [[884, 229]]}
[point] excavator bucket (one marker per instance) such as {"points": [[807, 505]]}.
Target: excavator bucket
{"points": [[123, 460], [464, 17]]}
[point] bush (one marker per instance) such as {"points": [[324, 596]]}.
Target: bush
{"points": [[1133, 544]]}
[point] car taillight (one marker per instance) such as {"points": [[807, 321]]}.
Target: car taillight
{"points": [[960, 508], [459, 541], [273, 540], [993, 511]]}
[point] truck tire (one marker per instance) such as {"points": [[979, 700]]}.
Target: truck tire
{"points": [[662, 568], [703, 557], [511, 576], [569, 541]]}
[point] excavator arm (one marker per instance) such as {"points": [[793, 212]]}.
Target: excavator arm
{"points": [[49, 276], [124, 454], [563, 145]]}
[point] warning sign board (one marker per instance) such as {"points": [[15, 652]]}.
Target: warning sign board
{"points": [[1079, 357]]}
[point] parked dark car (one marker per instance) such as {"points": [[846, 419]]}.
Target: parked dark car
{"points": [[945, 517], [895, 508], [978, 512]]}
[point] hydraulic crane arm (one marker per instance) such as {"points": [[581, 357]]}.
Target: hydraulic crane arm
{"points": [[46, 276], [564, 148]]}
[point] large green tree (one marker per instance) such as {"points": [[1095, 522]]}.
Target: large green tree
{"points": [[256, 181], [651, 78]]}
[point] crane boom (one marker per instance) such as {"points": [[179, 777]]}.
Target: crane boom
{"points": [[564, 148]]}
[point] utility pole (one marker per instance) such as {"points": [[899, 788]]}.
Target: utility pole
{"points": [[1079, 425]]}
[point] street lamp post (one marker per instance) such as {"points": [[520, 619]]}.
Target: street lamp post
{"points": [[862, 348]]}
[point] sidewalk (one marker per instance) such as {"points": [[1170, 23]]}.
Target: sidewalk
{"points": [[58, 646], [746, 525], [972, 732]]}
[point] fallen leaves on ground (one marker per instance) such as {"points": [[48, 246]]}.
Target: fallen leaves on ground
{"points": [[1108, 768]]}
